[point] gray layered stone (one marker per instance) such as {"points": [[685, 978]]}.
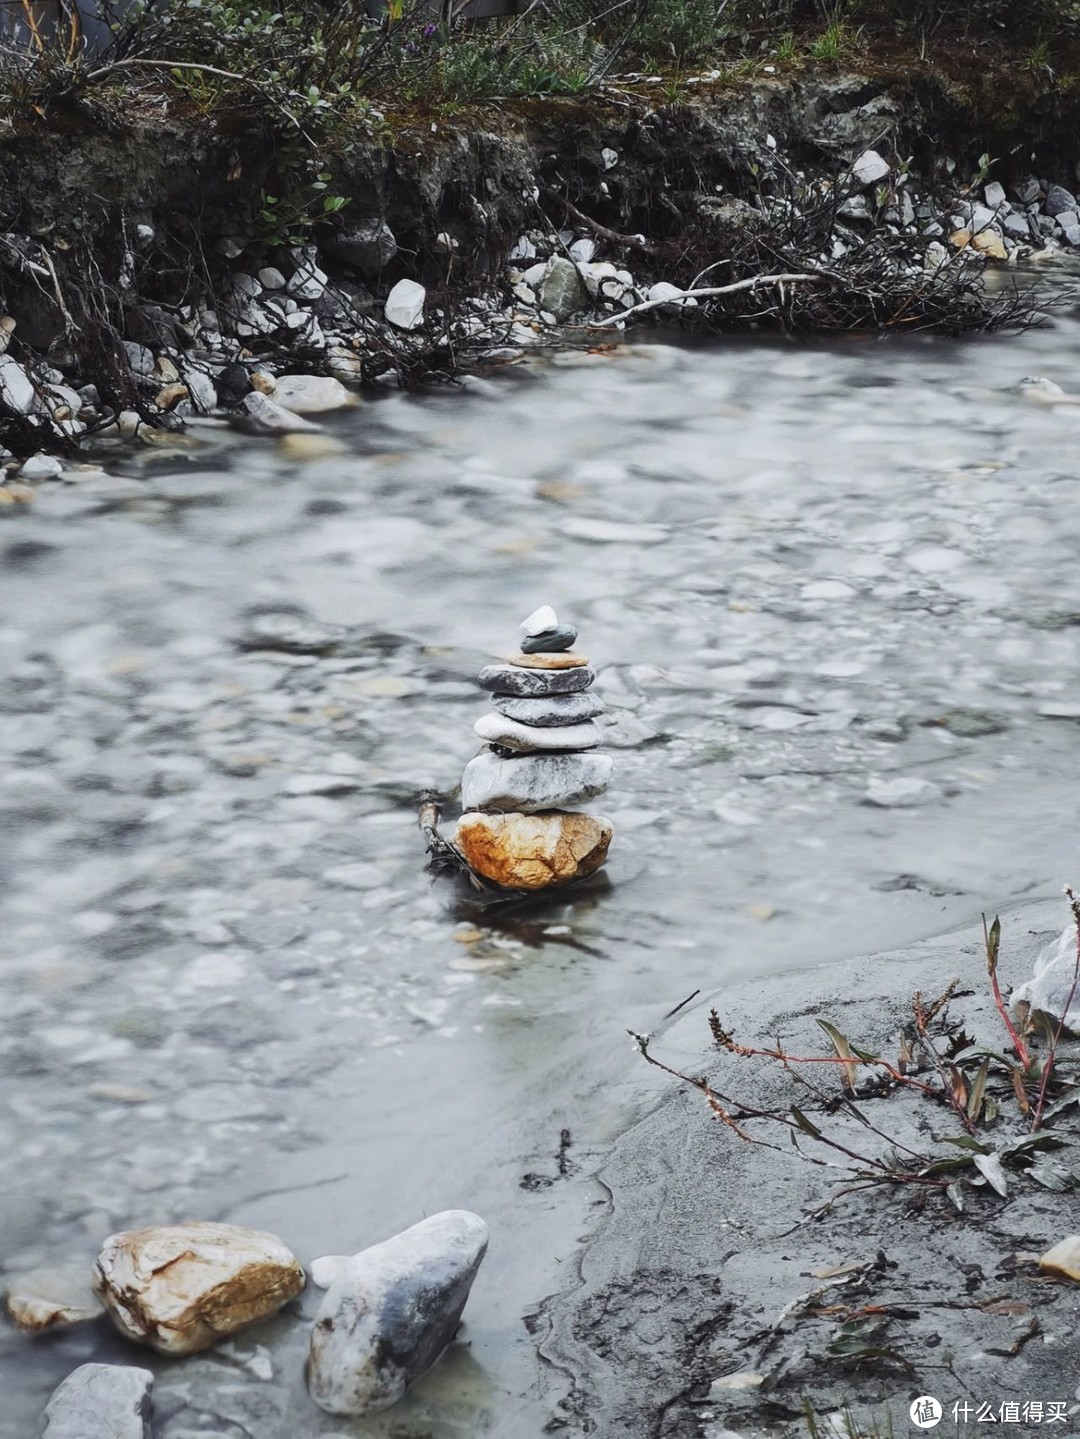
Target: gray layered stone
{"points": [[512, 734], [369, 246], [551, 709], [533, 782], [562, 290], [101, 1401], [527, 683], [550, 642], [1059, 200], [390, 1312], [256, 415]]}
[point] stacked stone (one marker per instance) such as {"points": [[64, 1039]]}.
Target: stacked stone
{"points": [[540, 757]]}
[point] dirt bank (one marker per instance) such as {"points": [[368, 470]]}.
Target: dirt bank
{"points": [[704, 1305]]}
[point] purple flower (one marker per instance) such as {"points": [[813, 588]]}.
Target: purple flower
{"points": [[429, 30]]}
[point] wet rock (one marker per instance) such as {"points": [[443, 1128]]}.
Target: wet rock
{"points": [[518, 681], [533, 782], [562, 290], [307, 281], [41, 467], [101, 1401], [325, 1269], [271, 278], [547, 660], [512, 734], [1063, 1261], [391, 1312], [405, 305], [1059, 201], [369, 247], [16, 388], [256, 415], [559, 638], [994, 194], [312, 394], [181, 1287], [54, 1298], [551, 710], [870, 167], [533, 851], [670, 296], [901, 793]]}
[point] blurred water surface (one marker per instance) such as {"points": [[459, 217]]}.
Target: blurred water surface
{"points": [[833, 596]]}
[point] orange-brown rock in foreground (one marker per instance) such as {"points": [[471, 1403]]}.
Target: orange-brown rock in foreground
{"points": [[182, 1287], [533, 851]]}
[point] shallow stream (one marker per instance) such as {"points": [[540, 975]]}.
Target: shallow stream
{"points": [[231, 990]]}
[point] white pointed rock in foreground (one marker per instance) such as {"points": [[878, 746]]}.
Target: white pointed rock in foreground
{"points": [[391, 1311], [539, 622], [100, 1401], [182, 1287]]}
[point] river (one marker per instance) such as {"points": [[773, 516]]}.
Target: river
{"points": [[806, 572]]}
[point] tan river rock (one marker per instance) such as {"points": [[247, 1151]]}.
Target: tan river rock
{"points": [[547, 660], [182, 1287], [533, 851], [53, 1298]]}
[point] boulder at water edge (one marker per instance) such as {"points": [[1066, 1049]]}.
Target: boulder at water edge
{"points": [[182, 1287], [391, 1311], [533, 851], [100, 1401]]}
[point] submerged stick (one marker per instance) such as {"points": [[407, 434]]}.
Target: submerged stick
{"points": [[710, 292]]}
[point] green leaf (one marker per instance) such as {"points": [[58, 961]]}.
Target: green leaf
{"points": [[1071, 1096], [964, 1141], [804, 1124], [978, 1090], [843, 1051]]}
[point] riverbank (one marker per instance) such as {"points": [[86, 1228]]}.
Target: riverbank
{"points": [[159, 263], [720, 1293]]}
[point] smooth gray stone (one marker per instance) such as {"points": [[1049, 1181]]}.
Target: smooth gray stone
{"points": [[551, 710], [550, 642], [526, 683], [512, 734], [533, 782], [390, 1312], [101, 1401]]}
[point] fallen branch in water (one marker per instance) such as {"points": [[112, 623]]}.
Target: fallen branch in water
{"points": [[711, 292]]}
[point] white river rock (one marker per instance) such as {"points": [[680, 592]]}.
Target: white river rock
{"points": [[405, 305], [101, 1401], [539, 622], [182, 1287], [500, 729], [391, 1311], [54, 1298], [312, 394]]}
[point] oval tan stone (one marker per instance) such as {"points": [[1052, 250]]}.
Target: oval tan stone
{"points": [[547, 660], [533, 851], [182, 1287]]}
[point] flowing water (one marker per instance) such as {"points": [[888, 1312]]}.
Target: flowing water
{"points": [[833, 595]]}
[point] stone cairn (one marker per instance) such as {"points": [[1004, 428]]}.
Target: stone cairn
{"points": [[515, 830]]}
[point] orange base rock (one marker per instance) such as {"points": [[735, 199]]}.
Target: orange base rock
{"points": [[533, 851]]}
